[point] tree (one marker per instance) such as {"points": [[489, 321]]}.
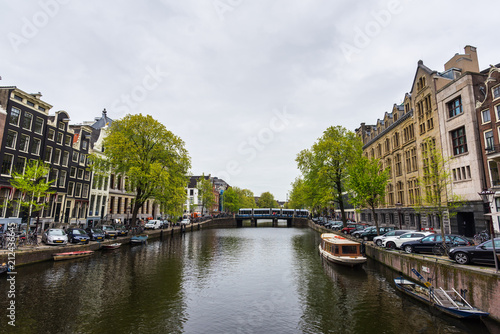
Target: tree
{"points": [[298, 195], [236, 198], [267, 200], [34, 187], [367, 184], [324, 166], [153, 159], [434, 186], [205, 192]]}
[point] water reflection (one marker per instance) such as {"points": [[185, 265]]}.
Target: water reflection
{"points": [[246, 280]]}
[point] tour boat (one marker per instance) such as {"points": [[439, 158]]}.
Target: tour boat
{"points": [[111, 246], [138, 239], [71, 255], [341, 250], [449, 302]]}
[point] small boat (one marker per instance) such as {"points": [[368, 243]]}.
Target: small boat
{"points": [[337, 249], [71, 255], [138, 239], [112, 246], [449, 302]]}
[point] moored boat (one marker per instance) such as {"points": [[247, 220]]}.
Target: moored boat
{"points": [[138, 239], [71, 255], [337, 249], [446, 301], [111, 246]]}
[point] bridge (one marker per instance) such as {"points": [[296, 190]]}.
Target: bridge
{"points": [[292, 217]]}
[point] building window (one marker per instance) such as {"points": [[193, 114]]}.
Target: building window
{"points": [[48, 154], [17, 97], [85, 192], [51, 134], [87, 175], [494, 176], [67, 140], [489, 142], [24, 143], [485, 114], [10, 141], [80, 173], [53, 177], [65, 158], [27, 121], [84, 145], [455, 107], [20, 164], [41, 108], [31, 104], [61, 126], [57, 156], [59, 138], [459, 141], [7, 164], [496, 92], [14, 116], [62, 179], [71, 188], [72, 172], [397, 162], [82, 159], [78, 190], [38, 126], [75, 156], [35, 146]]}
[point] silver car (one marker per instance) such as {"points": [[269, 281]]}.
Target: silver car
{"points": [[55, 236]]}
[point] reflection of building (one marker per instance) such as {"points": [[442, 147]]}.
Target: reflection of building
{"points": [[439, 110]]}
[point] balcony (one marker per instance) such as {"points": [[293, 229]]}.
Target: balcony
{"points": [[493, 152]]}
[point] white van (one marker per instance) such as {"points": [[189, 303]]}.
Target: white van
{"points": [[153, 224]]}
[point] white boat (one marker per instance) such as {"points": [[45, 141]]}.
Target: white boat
{"points": [[337, 249]]}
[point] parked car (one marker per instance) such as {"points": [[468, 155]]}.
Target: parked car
{"points": [[121, 230], [357, 233], [426, 244], [77, 235], [153, 224], [394, 233], [396, 242], [353, 227], [109, 231], [482, 253], [186, 221], [95, 234], [367, 235], [55, 236]]}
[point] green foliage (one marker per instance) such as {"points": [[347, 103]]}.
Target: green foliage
{"points": [[33, 186], [236, 198], [324, 167], [205, 192], [267, 200], [298, 195], [367, 184], [154, 160]]}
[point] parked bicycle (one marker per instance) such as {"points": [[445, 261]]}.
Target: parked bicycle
{"points": [[481, 237], [441, 249]]}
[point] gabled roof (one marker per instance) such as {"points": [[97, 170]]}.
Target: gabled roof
{"points": [[103, 121]]}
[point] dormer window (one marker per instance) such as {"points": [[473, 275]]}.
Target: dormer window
{"points": [[61, 126]]}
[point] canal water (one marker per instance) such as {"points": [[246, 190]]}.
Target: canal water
{"points": [[241, 280]]}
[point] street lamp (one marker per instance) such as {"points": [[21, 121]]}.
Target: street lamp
{"points": [[398, 208], [487, 196]]}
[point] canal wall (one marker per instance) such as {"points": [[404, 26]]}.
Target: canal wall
{"points": [[482, 284]]}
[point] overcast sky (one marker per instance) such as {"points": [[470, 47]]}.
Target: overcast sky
{"points": [[246, 84]]}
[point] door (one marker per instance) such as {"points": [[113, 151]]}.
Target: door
{"points": [[466, 224]]}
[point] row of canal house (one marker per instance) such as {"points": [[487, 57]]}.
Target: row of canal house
{"points": [[28, 131], [459, 111]]}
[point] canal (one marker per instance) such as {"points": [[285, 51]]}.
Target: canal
{"points": [[240, 280]]}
